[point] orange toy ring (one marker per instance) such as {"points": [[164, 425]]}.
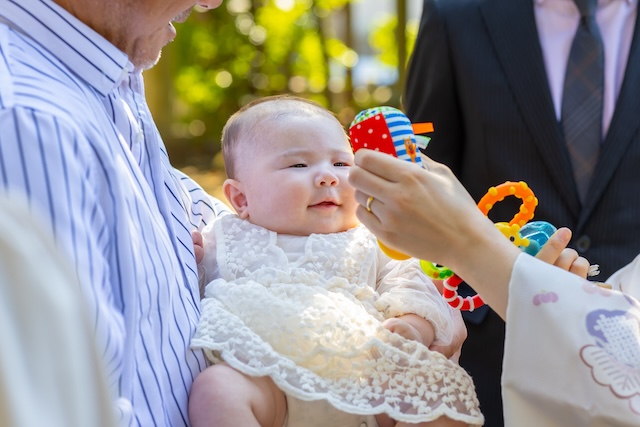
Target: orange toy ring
{"points": [[495, 194], [518, 189]]}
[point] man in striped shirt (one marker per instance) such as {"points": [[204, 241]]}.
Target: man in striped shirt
{"points": [[77, 138]]}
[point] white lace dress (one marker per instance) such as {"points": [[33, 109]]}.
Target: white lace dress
{"points": [[307, 311]]}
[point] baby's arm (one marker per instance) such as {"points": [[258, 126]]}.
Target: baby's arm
{"points": [[412, 305]]}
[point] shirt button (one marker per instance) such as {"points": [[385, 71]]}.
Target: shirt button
{"points": [[583, 244]]}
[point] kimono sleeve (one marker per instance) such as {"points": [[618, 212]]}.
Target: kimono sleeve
{"points": [[572, 350]]}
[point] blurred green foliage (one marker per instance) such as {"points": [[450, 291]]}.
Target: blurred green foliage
{"points": [[245, 49]]}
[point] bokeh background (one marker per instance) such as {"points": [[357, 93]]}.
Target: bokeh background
{"points": [[347, 55]]}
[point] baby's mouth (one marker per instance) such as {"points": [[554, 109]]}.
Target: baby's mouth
{"points": [[326, 203]]}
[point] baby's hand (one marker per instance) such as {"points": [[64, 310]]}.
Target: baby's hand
{"points": [[411, 327], [555, 252], [453, 350], [198, 246], [402, 328]]}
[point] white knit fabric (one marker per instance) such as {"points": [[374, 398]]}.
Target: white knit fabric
{"points": [[308, 312]]}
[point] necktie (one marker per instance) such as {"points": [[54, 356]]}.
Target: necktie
{"points": [[582, 97]]}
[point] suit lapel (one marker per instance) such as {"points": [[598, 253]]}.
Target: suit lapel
{"points": [[623, 127], [512, 28]]}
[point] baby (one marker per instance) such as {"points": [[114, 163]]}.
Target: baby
{"points": [[307, 321]]}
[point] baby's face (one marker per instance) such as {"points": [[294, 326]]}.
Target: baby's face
{"points": [[295, 181]]}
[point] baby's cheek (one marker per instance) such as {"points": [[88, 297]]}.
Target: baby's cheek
{"points": [[351, 218]]}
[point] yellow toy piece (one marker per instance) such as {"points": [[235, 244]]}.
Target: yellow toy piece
{"points": [[392, 253], [512, 232]]}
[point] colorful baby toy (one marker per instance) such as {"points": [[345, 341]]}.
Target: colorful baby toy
{"points": [[528, 236], [388, 130]]}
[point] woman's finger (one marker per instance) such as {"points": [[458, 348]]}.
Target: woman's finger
{"points": [[382, 165], [551, 250], [566, 258], [580, 267]]}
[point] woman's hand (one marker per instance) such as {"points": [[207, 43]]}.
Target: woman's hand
{"points": [[419, 212], [555, 252], [428, 214]]}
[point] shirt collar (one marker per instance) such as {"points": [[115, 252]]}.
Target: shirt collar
{"points": [[89, 55]]}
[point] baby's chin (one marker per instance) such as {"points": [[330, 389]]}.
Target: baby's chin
{"points": [[332, 228], [315, 229], [306, 228]]}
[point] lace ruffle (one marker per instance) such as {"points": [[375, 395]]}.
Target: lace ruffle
{"points": [[319, 336], [340, 354]]}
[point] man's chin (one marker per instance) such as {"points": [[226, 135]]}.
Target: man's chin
{"points": [[182, 16], [141, 64]]}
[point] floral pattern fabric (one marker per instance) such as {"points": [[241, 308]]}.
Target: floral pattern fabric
{"points": [[572, 349]]}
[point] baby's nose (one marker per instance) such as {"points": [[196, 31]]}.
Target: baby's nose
{"points": [[327, 178]]}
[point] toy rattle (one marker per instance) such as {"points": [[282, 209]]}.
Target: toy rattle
{"points": [[529, 237], [388, 130]]}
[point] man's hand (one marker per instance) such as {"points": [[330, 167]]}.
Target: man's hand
{"points": [[198, 247]]}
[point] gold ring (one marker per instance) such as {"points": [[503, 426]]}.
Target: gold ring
{"points": [[369, 201]]}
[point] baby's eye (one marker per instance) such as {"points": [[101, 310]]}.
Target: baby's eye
{"points": [[341, 164], [298, 165]]}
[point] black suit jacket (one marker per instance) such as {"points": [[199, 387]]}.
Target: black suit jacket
{"points": [[478, 74]]}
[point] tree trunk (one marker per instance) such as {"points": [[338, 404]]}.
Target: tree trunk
{"points": [[401, 40]]}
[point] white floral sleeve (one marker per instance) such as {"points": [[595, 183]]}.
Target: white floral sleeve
{"points": [[405, 289]]}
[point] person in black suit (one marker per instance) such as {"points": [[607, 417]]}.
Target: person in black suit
{"points": [[489, 75]]}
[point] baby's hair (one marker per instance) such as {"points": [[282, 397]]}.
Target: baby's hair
{"points": [[242, 127]]}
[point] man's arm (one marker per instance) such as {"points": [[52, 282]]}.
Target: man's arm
{"points": [[46, 160], [201, 207]]}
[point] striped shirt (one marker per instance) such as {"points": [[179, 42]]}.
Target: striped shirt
{"points": [[77, 137]]}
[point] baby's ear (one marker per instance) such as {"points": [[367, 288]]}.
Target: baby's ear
{"points": [[235, 195]]}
